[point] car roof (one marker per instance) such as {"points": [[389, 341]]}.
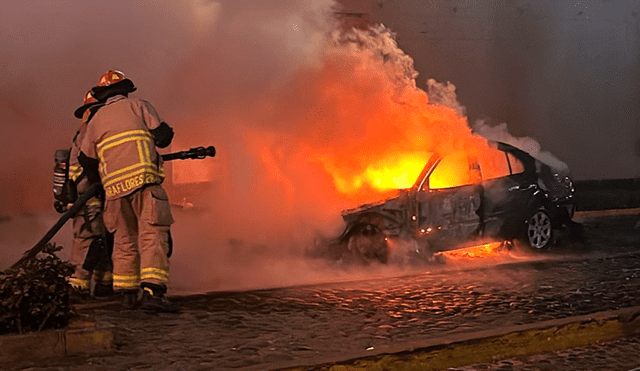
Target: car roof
{"points": [[527, 160]]}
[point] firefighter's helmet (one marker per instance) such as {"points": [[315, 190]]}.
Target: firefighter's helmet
{"points": [[111, 83], [111, 77], [89, 101]]}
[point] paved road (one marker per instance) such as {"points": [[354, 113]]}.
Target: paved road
{"points": [[269, 329]]}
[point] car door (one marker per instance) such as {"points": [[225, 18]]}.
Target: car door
{"points": [[448, 202], [508, 189]]}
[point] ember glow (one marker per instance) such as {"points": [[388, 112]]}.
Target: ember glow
{"points": [[486, 253], [479, 251]]}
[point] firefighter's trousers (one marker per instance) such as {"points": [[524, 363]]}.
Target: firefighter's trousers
{"points": [[88, 225], [140, 222]]}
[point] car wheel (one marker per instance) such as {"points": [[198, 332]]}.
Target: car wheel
{"points": [[368, 244], [539, 230]]}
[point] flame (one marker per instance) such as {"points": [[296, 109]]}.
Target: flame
{"points": [[393, 152], [359, 119], [398, 171], [391, 128], [490, 249]]}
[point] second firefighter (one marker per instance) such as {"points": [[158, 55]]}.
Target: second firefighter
{"points": [[119, 149]]}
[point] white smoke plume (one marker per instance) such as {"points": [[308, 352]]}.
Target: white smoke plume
{"points": [[500, 133], [445, 95]]}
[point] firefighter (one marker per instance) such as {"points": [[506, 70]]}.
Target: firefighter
{"points": [[119, 149], [90, 240]]}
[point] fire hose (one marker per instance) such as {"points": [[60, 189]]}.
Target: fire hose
{"points": [[197, 153]]}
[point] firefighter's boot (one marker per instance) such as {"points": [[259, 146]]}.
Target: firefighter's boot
{"points": [[103, 290], [153, 299], [129, 299]]}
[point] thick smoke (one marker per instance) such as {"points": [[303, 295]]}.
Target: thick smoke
{"points": [[445, 95], [286, 99], [501, 134]]}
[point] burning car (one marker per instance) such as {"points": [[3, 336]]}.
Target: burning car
{"points": [[456, 202]]}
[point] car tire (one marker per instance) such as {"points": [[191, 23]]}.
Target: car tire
{"points": [[367, 244], [538, 230]]}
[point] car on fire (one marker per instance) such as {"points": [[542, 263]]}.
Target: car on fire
{"points": [[527, 200]]}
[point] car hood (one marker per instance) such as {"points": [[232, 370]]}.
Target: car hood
{"points": [[390, 206]]}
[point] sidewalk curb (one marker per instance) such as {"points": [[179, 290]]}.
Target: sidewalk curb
{"points": [[487, 346], [81, 337]]}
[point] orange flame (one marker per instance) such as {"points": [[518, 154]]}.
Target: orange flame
{"points": [[480, 251], [361, 120], [397, 133], [398, 171]]}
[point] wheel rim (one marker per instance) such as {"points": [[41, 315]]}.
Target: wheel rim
{"points": [[539, 230]]}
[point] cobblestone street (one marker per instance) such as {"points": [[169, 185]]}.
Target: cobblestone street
{"points": [[286, 327]]}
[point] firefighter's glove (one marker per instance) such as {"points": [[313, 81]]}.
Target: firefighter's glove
{"points": [[60, 207], [162, 135]]}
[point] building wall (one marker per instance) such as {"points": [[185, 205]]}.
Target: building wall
{"points": [[564, 72]]}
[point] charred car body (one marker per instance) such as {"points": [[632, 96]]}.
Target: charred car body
{"points": [[526, 201]]}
